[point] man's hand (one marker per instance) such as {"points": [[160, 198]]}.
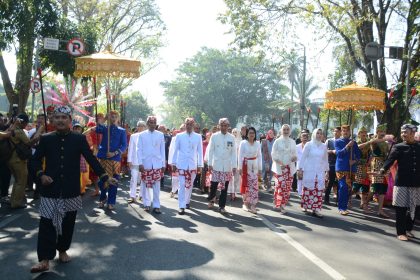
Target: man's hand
{"points": [[46, 180], [141, 168], [350, 144], [112, 181], [352, 162], [110, 154]]}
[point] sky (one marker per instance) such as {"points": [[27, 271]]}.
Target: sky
{"points": [[191, 25]]}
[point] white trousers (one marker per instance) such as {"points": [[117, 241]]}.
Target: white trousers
{"points": [[151, 194], [175, 184], [134, 181], [184, 194]]}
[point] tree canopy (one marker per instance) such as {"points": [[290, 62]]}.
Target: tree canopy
{"points": [[352, 23], [215, 84]]}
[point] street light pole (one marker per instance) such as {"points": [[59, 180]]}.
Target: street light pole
{"points": [[302, 97]]}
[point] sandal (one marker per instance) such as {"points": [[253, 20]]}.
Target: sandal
{"points": [[211, 204], [111, 207], [402, 237], [147, 208], [383, 215], [101, 204], [40, 267]]}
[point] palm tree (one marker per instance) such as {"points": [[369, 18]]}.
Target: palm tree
{"points": [[310, 88]]}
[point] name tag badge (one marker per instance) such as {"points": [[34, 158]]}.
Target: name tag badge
{"points": [[229, 144]]}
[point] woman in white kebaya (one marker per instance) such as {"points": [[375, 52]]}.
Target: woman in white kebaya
{"points": [[250, 167], [284, 157], [234, 184], [313, 167]]}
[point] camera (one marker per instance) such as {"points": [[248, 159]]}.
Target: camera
{"points": [[15, 110]]}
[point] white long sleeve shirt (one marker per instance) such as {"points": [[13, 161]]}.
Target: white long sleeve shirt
{"points": [[171, 150], [314, 163], [246, 150], [151, 149], [284, 148], [299, 152], [221, 152], [132, 149], [188, 151]]}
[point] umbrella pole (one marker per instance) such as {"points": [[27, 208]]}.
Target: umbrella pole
{"points": [[340, 119], [317, 118], [108, 110], [307, 118], [96, 101], [43, 101], [328, 123]]}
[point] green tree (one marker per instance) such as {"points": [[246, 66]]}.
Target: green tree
{"points": [[352, 22], [215, 84], [20, 23], [136, 108]]}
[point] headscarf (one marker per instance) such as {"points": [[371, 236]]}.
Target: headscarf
{"points": [[281, 131], [63, 110], [267, 135], [313, 139]]}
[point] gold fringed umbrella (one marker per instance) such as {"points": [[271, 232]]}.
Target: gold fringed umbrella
{"points": [[107, 64], [355, 97]]}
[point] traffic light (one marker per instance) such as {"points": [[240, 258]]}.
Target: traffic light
{"points": [[396, 52]]}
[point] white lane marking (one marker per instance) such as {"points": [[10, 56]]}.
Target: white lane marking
{"points": [[308, 254], [9, 219]]}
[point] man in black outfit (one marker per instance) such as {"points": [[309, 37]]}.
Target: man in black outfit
{"points": [[60, 186], [406, 194]]}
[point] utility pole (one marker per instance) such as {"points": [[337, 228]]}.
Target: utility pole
{"points": [[302, 97]]}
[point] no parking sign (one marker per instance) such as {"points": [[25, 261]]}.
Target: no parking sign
{"points": [[35, 85], [76, 47]]}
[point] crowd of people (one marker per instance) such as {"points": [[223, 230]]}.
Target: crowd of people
{"points": [[64, 157]]}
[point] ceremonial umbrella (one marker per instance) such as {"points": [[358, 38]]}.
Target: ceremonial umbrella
{"points": [[354, 97], [106, 64]]}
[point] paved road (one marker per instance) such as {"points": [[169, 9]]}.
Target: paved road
{"points": [[130, 243]]}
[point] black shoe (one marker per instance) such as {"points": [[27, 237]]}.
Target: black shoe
{"points": [[181, 211], [187, 206], [156, 211]]}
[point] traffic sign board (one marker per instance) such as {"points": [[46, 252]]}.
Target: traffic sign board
{"points": [[374, 51], [51, 44], [76, 47], [35, 85]]}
